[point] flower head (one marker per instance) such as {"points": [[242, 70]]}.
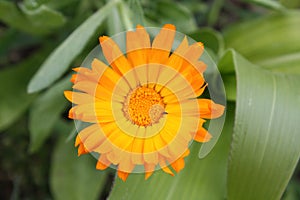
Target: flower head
{"points": [[144, 107]]}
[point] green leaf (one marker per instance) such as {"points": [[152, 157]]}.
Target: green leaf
{"points": [[226, 66], [214, 12], [229, 81], [292, 191], [271, 4], [114, 22], [73, 177], [265, 147], [126, 15], [211, 39], [41, 20], [200, 179], [13, 80], [176, 13], [44, 113], [272, 42], [290, 3], [60, 59], [43, 17], [136, 8], [60, 4]]}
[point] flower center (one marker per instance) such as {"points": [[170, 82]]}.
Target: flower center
{"points": [[144, 106]]}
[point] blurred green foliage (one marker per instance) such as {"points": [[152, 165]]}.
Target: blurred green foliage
{"points": [[256, 44]]}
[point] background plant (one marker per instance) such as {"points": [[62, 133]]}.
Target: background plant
{"points": [[256, 44]]}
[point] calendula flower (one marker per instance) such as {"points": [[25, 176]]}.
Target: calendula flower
{"points": [[144, 109]]}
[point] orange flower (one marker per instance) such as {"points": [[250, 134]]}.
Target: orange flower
{"points": [[144, 110]]}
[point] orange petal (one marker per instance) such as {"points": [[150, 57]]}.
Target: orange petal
{"points": [[193, 76], [84, 74], [94, 89], [149, 169], [178, 164], [78, 97], [109, 79], [114, 156], [98, 67], [125, 164], [94, 140], [150, 155], [123, 175], [210, 110], [148, 174], [200, 90], [73, 78], [83, 113], [101, 166], [114, 55], [176, 59], [165, 168], [202, 135], [77, 141], [182, 48], [200, 66], [103, 162], [105, 147], [116, 136], [82, 150], [194, 52], [186, 153], [138, 46], [162, 44], [86, 132]]}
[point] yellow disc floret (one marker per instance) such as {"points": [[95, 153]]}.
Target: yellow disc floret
{"points": [[144, 106]]}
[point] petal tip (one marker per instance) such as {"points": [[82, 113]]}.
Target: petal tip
{"points": [[68, 95], [76, 69], [103, 38], [123, 175], [77, 141], [139, 26], [101, 166], [200, 44], [169, 26], [147, 175]]}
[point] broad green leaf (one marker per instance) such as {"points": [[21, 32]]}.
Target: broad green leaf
{"points": [[211, 39], [229, 81], [60, 4], [136, 8], [272, 42], [73, 177], [265, 147], [214, 12], [292, 191], [114, 24], [44, 113], [290, 3], [271, 4], [120, 19], [226, 66], [11, 39], [126, 15], [11, 15], [38, 21], [200, 179], [43, 17], [176, 13], [60, 59], [13, 95]]}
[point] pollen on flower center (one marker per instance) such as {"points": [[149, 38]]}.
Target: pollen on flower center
{"points": [[143, 106]]}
